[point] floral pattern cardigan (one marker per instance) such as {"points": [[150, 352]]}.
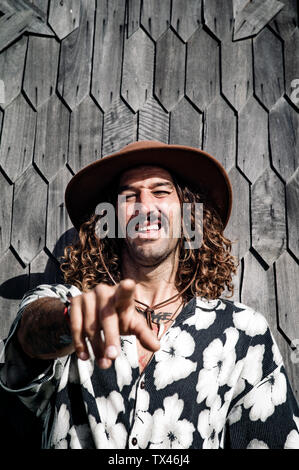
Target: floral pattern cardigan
{"points": [[218, 381]]}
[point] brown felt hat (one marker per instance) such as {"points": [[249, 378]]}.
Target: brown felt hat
{"points": [[87, 188]]}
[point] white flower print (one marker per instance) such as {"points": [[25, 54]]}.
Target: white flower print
{"points": [[169, 432], [172, 362], [263, 398], [210, 424], [256, 444], [292, 440], [143, 419], [250, 321], [219, 362], [235, 414], [62, 425], [205, 313], [126, 361], [80, 437], [108, 434]]}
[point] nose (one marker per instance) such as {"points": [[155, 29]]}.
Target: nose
{"points": [[146, 204]]}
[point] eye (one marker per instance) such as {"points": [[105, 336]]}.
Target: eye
{"points": [[161, 192]]}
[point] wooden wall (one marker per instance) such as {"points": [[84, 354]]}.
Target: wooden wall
{"points": [[82, 78]]}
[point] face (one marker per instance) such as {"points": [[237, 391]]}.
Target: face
{"points": [[152, 209]]}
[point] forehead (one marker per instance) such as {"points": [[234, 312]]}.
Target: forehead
{"points": [[143, 172]]}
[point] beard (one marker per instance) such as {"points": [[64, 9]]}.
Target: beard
{"points": [[148, 253]]}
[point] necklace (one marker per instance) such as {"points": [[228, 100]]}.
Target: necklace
{"points": [[159, 318]]}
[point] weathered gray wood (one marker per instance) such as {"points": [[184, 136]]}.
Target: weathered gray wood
{"points": [[219, 18], [292, 194], [16, 153], [44, 270], [153, 122], [220, 127], [258, 290], [52, 126], [85, 134], [120, 127], [133, 16], [237, 72], [10, 6], [170, 69], [58, 222], [13, 285], [268, 74], [108, 46], [155, 17], [138, 69], [40, 81], [254, 17], [41, 4], [292, 67], [6, 191], [76, 58], [287, 276], [286, 20], [64, 16], [29, 215], [268, 216], [238, 5], [186, 125], [202, 71], [13, 25], [238, 228], [11, 69], [284, 133], [186, 17], [253, 153]]}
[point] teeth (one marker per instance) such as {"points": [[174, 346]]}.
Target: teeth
{"points": [[149, 227]]}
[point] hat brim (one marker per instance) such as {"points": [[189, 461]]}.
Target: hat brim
{"points": [[87, 188]]}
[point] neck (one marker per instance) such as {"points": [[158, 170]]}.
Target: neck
{"points": [[154, 284]]}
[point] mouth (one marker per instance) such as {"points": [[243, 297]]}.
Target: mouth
{"points": [[148, 230]]}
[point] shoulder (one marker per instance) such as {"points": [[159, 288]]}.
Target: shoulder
{"points": [[239, 315]]}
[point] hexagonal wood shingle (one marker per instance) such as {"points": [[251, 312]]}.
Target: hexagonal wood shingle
{"points": [[153, 122], [40, 81], [64, 16], [16, 153], [155, 17], [12, 62], [268, 80], [186, 17], [284, 133], [170, 69], [74, 74], [29, 215], [268, 216], [202, 70], [138, 69], [52, 128], [85, 140], [253, 153], [186, 125]]}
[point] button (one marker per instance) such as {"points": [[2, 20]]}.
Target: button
{"points": [[134, 441], [142, 384]]}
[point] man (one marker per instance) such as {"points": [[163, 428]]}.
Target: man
{"points": [[138, 349]]}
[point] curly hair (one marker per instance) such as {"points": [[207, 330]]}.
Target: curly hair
{"points": [[212, 265]]}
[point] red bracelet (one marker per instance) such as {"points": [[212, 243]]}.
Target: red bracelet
{"points": [[66, 310]]}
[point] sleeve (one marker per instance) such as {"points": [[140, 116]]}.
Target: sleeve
{"points": [[32, 380], [265, 413]]}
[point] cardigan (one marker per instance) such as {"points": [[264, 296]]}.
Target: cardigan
{"points": [[217, 382]]}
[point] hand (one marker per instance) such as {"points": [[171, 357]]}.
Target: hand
{"points": [[112, 310]]}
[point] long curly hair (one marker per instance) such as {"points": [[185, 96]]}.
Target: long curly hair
{"points": [[211, 266]]}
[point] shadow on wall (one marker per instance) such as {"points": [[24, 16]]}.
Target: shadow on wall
{"points": [[20, 428]]}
